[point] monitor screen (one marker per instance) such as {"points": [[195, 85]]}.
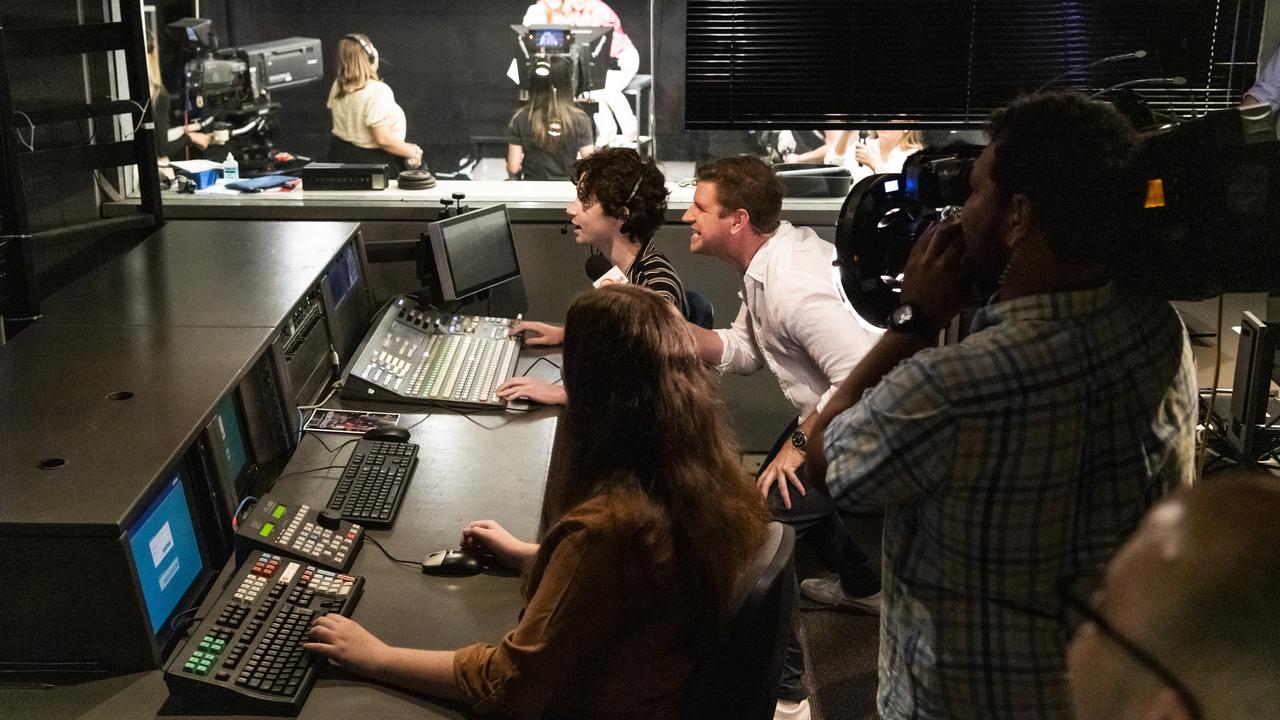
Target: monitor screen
{"points": [[229, 431], [166, 553], [343, 274], [473, 251], [550, 38]]}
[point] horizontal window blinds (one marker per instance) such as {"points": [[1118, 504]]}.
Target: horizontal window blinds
{"points": [[948, 63]]}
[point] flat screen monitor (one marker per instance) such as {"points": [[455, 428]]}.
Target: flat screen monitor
{"points": [[343, 274], [166, 553], [228, 433], [473, 252]]}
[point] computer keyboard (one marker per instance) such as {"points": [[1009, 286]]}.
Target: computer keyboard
{"points": [[373, 482], [246, 656]]}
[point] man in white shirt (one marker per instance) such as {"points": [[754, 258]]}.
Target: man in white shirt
{"points": [[793, 322]]}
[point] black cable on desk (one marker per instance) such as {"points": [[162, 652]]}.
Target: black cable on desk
{"points": [[390, 557]]}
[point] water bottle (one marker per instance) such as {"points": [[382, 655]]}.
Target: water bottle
{"points": [[230, 169]]}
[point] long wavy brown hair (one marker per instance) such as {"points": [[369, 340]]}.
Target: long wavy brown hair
{"points": [[644, 415]]}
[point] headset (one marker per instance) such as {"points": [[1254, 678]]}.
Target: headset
{"points": [[368, 48]]}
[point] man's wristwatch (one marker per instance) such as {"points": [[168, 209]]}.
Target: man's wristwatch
{"points": [[799, 440], [908, 318]]}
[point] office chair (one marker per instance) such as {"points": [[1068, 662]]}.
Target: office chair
{"points": [[701, 312], [737, 677]]}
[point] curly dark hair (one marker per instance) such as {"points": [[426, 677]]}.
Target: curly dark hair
{"points": [[746, 182], [1071, 157], [627, 186]]}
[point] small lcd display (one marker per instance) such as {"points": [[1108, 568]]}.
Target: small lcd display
{"points": [[474, 251], [166, 554], [550, 39]]}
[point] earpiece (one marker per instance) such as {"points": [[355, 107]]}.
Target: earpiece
{"points": [[368, 49]]}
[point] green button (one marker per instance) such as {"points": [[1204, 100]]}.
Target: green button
{"points": [[266, 529], [278, 513]]}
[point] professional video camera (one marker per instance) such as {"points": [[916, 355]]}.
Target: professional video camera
{"points": [[587, 48], [1207, 225], [230, 88]]}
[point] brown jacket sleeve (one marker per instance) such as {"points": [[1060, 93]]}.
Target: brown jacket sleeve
{"points": [[574, 611]]}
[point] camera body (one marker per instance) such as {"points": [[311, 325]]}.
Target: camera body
{"points": [[1206, 226]]}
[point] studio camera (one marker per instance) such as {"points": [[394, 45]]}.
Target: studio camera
{"points": [[1206, 226], [541, 48], [229, 89]]}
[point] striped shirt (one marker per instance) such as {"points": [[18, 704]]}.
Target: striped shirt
{"points": [[651, 269], [1025, 454]]}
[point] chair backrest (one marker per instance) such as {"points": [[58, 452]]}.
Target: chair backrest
{"points": [[701, 312], [737, 678]]}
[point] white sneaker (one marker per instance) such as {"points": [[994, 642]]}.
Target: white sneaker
{"points": [[788, 710], [827, 591]]}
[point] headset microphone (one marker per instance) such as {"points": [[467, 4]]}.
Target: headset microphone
{"points": [[564, 229]]}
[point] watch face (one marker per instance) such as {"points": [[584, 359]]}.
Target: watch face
{"points": [[903, 314]]}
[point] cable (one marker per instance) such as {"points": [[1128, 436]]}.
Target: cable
{"points": [[534, 364], [390, 557], [1213, 395], [30, 146], [303, 472], [173, 622], [235, 519]]}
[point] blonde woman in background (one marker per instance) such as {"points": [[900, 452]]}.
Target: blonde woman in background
{"points": [[368, 125], [883, 152]]}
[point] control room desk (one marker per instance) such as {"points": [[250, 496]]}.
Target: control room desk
{"points": [[465, 472]]}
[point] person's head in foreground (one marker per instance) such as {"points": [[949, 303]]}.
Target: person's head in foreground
{"points": [[1185, 622]]}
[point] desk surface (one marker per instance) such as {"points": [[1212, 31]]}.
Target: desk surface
{"points": [[484, 465], [527, 201], [212, 274], [57, 405]]}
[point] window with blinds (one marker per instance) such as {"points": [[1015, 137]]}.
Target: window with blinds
{"points": [[948, 63]]}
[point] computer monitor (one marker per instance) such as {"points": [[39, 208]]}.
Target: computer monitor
{"points": [[1248, 428], [229, 449], [343, 274], [469, 253], [167, 555]]}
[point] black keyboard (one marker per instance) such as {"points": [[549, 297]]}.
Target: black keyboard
{"points": [[373, 483], [246, 656]]}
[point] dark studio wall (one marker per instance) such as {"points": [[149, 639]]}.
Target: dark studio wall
{"points": [[448, 61]]}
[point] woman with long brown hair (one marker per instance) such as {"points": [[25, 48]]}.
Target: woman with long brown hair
{"points": [[651, 520], [549, 132], [368, 125]]}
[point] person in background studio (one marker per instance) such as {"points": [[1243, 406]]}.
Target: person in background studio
{"points": [[645, 545], [616, 122], [621, 203], [171, 142], [1266, 86], [368, 125], [550, 132], [816, 155], [883, 152], [793, 322]]}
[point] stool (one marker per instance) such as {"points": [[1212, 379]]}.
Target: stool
{"points": [[640, 92]]}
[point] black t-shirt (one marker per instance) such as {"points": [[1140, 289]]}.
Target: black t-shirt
{"points": [[553, 164]]}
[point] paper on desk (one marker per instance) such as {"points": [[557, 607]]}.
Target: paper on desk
{"points": [[195, 166]]}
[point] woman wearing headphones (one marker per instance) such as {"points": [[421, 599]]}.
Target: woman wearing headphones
{"points": [[368, 125], [546, 135], [622, 200]]}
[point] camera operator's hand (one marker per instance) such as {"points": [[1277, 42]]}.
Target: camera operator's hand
{"points": [[199, 139], [935, 279]]}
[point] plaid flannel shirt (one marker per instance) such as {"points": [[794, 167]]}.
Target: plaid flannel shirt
{"points": [[1026, 453]]}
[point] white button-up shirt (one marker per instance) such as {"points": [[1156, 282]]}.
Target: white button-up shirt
{"points": [[793, 321]]}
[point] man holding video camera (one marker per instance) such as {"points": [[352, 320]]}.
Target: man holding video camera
{"points": [[1026, 453]]}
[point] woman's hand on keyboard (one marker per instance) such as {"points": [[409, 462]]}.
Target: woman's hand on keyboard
{"points": [[347, 643], [487, 536], [527, 388], [539, 333]]}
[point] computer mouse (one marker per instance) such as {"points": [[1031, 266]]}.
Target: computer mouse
{"points": [[387, 433], [451, 562]]}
